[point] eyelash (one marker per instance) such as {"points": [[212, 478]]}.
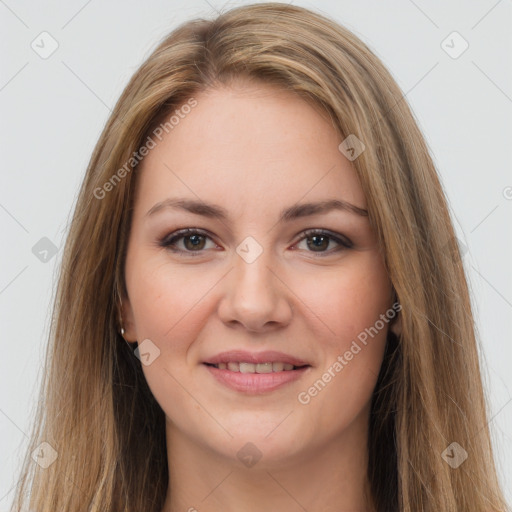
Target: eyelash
{"points": [[169, 241]]}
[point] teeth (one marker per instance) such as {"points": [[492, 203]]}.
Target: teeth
{"points": [[243, 367], [247, 368], [264, 368]]}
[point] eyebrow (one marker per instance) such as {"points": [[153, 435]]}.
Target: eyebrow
{"points": [[293, 212]]}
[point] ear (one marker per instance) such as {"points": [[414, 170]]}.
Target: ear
{"points": [[396, 324], [128, 322]]}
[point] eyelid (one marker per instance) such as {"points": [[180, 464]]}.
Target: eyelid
{"points": [[342, 241], [165, 242], [337, 237]]}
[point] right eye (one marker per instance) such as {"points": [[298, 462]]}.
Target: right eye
{"points": [[194, 241]]}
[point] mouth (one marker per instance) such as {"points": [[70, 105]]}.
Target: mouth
{"points": [[259, 368], [256, 378]]}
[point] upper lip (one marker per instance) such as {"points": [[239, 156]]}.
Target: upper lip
{"points": [[255, 357]]}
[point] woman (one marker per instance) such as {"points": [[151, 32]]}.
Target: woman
{"points": [[262, 304]]}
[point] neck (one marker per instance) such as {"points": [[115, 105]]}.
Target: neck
{"points": [[331, 477]]}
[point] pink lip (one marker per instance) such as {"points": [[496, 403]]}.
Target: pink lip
{"points": [[255, 383], [255, 357]]}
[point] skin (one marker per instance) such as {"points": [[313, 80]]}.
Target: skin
{"points": [[254, 150]]}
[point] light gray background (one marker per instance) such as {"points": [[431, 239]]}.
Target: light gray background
{"points": [[52, 111]]}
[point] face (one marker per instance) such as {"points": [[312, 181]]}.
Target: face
{"points": [[251, 284]]}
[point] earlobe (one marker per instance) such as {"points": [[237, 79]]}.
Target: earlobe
{"points": [[126, 321], [396, 324]]}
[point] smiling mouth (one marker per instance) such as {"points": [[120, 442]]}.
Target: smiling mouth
{"points": [[269, 367]]}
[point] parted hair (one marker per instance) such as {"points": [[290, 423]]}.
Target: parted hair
{"points": [[95, 408]]}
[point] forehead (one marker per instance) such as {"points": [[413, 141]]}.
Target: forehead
{"points": [[251, 145]]}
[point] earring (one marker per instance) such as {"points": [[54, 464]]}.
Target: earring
{"points": [[121, 317], [121, 330]]}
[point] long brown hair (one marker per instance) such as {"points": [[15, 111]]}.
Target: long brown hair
{"points": [[96, 409]]}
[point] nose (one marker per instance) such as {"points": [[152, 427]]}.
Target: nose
{"points": [[255, 297]]}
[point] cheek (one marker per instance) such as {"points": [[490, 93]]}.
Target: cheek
{"points": [[170, 305], [169, 309], [350, 299], [350, 303]]}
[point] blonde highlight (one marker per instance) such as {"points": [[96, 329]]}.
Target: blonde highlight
{"points": [[429, 391]]}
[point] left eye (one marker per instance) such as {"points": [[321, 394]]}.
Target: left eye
{"points": [[194, 241], [320, 239]]}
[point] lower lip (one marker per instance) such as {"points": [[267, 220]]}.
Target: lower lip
{"points": [[256, 383]]}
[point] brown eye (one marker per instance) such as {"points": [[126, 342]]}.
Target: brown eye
{"points": [[194, 241], [318, 241]]}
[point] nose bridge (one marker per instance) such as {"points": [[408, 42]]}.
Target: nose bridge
{"points": [[253, 277], [254, 296]]}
